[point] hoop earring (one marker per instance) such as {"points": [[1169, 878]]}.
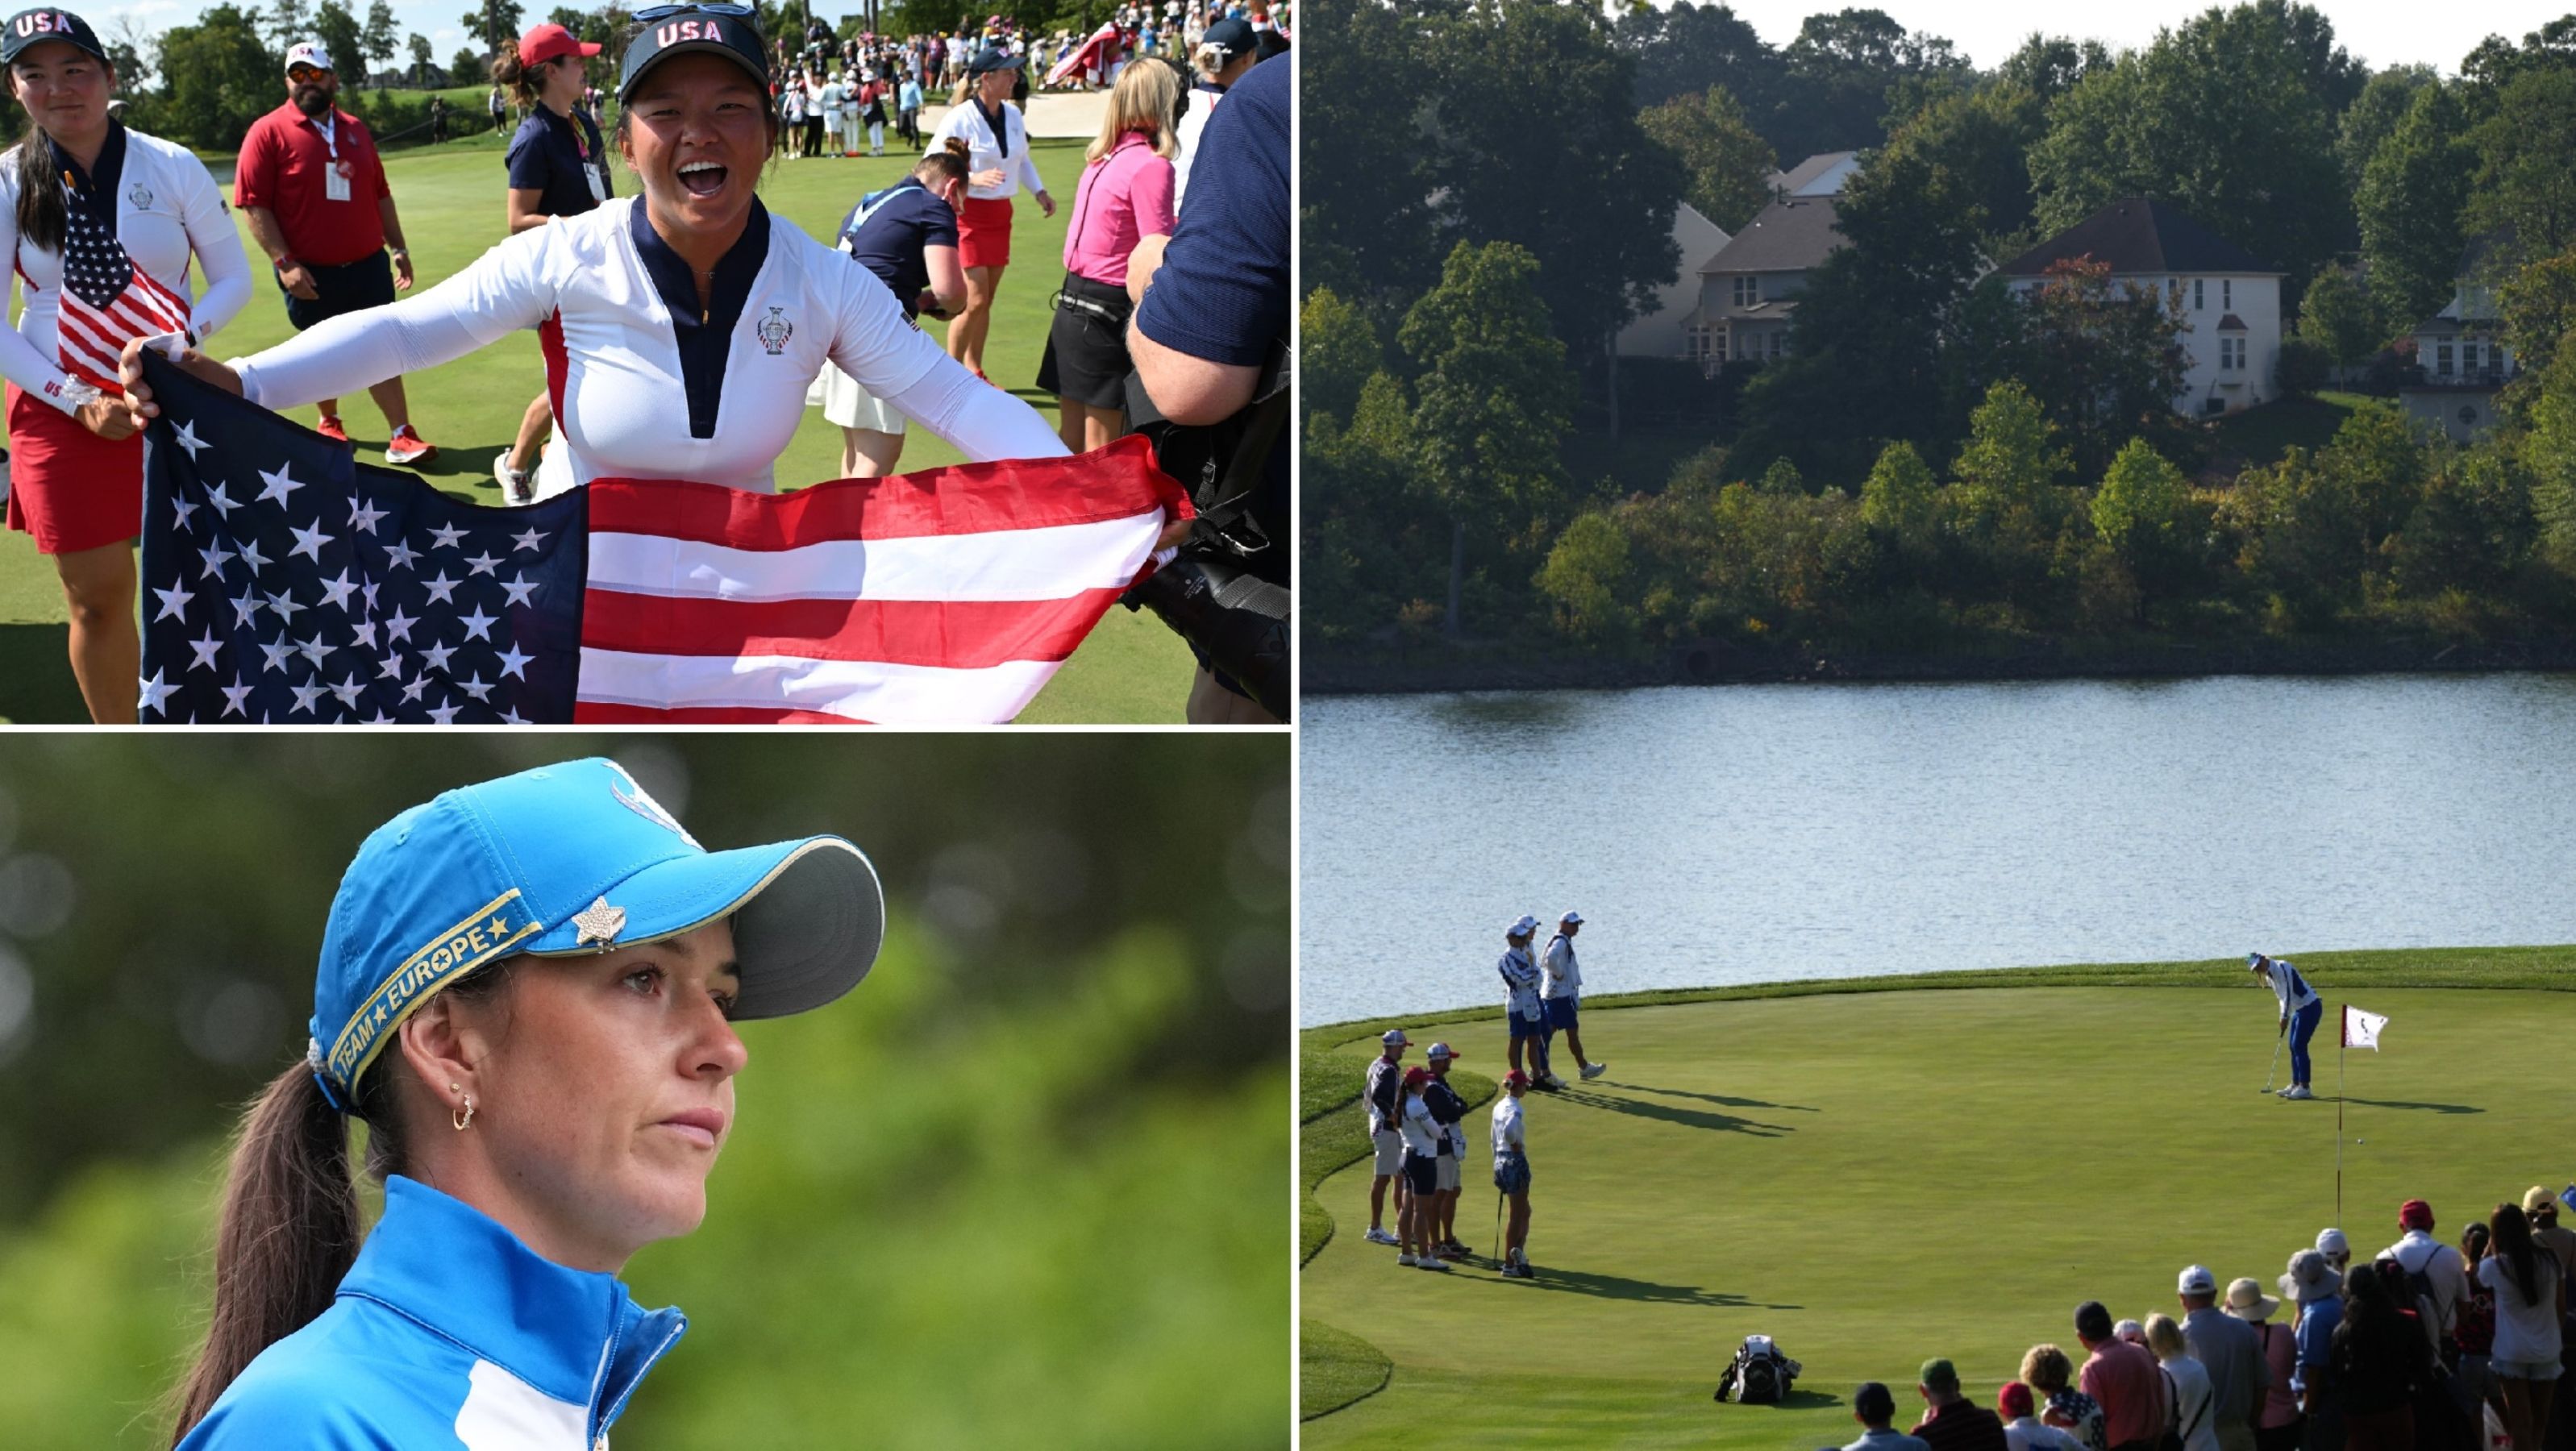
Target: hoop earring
{"points": [[465, 1117]]}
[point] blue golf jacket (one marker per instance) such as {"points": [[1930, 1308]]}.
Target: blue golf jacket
{"points": [[447, 1333]]}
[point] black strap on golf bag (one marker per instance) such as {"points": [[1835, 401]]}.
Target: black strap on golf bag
{"points": [[1207, 595]]}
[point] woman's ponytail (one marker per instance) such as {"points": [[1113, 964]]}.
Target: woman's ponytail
{"points": [[290, 1231]]}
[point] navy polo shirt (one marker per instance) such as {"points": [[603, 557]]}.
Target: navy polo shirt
{"points": [[703, 339], [901, 221], [1222, 291], [546, 158]]}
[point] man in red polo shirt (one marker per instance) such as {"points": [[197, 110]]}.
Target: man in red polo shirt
{"points": [[314, 192]]}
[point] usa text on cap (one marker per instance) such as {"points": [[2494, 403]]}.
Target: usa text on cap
{"points": [[573, 860], [307, 53], [35, 27], [720, 29]]}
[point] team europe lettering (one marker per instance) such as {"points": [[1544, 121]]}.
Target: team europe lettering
{"points": [[467, 944]]}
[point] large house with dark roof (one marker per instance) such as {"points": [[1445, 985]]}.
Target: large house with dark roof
{"points": [[1748, 292], [2231, 299]]}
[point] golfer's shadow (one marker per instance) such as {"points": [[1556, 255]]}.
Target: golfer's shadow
{"points": [[2426, 1107], [1620, 1287], [1722, 1099], [1669, 1113]]}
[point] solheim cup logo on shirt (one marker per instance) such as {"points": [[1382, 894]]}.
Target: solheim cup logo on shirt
{"points": [[141, 196], [774, 331]]}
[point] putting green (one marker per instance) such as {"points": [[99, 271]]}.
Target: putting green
{"points": [[1872, 1178], [1130, 669]]}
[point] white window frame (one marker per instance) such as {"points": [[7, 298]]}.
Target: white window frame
{"points": [[2442, 360]]}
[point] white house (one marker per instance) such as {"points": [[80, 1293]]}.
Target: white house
{"points": [[2461, 356], [2231, 300], [1665, 331]]}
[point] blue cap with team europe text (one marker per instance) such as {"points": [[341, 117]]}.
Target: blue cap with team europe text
{"points": [[570, 860]]}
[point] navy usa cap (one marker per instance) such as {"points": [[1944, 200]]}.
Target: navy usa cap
{"points": [[35, 27], [565, 861], [726, 29]]}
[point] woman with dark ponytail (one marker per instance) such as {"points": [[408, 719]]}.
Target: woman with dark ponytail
{"points": [[558, 168], [527, 990], [130, 211]]}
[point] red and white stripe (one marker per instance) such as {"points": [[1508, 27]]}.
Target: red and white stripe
{"points": [[1091, 56], [93, 339], [943, 597]]}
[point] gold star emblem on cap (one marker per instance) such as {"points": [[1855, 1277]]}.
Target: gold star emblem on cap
{"points": [[599, 922]]}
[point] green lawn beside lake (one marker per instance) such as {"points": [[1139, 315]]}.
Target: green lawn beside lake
{"points": [[1877, 1172], [1132, 669]]}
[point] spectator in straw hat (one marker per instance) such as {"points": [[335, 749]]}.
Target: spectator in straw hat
{"points": [[2232, 1353], [2311, 1283], [1951, 1421], [2277, 1424]]}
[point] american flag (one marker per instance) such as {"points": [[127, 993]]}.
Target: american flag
{"points": [[288, 583], [106, 300]]}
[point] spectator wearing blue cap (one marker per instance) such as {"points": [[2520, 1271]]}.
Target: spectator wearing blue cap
{"points": [[528, 990]]}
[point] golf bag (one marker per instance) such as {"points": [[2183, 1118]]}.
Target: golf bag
{"points": [[1759, 1375]]}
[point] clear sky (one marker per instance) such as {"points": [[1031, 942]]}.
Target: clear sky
{"points": [[2380, 32]]}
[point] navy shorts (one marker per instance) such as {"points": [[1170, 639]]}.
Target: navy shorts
{"points": [[1525, 1027], [1512, 1174], [1421, 1174], [354, 287], [1560, 1013]]}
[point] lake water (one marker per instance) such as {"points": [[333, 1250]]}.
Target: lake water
{"points": [[1753, 833]]}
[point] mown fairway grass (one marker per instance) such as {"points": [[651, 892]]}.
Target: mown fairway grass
{"points": [[1877, 1176], [1131, 669]]}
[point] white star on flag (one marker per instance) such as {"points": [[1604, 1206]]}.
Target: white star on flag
{"points": [[2360, 1029], [278, 485]]}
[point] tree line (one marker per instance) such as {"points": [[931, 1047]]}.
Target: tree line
{"points": [[1488, 191]]}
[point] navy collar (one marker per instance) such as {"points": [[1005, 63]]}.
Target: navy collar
{"points": [[1208, 85], [704, 339], [1000, 121], [575, 1335], [95, 186]]}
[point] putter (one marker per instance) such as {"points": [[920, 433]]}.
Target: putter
{"points": [[2276, 1057], [1498, 1226]]}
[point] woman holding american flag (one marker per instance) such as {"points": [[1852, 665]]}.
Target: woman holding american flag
{"points": [[101, 223]]}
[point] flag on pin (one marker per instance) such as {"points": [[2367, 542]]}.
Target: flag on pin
{"points": [[2360, 1029]]}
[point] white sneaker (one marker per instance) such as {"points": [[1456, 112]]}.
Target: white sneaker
{"points": [[2297, 1090], [1380, 1236], [515, 488], [1595, 1071], [1427, 1262], [1406, 1259]]}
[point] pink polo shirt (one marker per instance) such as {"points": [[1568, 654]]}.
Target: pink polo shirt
{"points": [[1119, 202]]}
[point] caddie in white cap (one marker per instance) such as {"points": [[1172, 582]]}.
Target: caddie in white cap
{"points": [[1561, 995], [1523, 1011], [1385, 1097]]}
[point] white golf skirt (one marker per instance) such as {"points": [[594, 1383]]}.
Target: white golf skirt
{"points": [[844, 402]]}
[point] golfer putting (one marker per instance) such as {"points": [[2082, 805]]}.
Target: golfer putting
{"points": [[2301, 1010]]}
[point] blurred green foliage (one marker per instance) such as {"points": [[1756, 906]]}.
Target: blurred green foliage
{"points": [[1021, 1188]]}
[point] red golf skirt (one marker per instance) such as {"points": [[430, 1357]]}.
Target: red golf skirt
{"points": [[984, 232], [70, 488]]}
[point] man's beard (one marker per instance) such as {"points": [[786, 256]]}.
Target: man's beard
{"points": [[312, 100]]}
